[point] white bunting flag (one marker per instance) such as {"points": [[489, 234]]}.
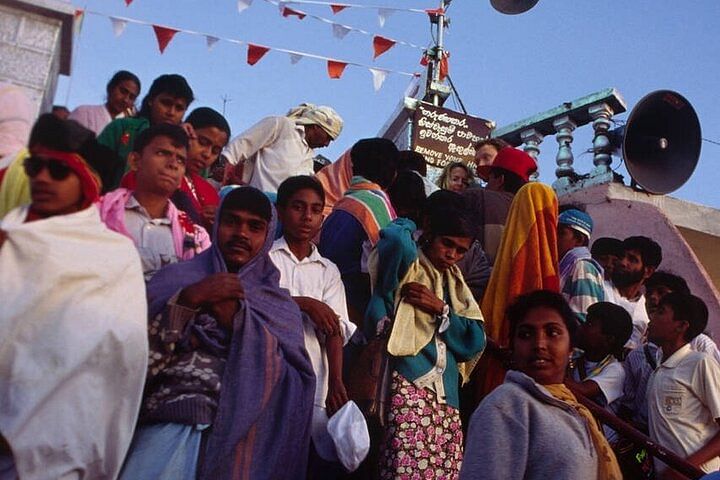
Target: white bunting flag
{"points": [[378, 78], [243, 5], [383, 14], [339, 31], [295, 58], [211, 41], [118, 26]]}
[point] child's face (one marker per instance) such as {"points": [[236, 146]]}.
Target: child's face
{"points": [[166, 108], [591, 338], [663, 327], [444, 251], [205, 148], [302, 216], [160, 166]]}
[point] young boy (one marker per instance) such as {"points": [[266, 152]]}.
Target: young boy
{"points": [[684, 391], [162, 233], [166, 102], [315, 284], [199, 198], [597, 372]]}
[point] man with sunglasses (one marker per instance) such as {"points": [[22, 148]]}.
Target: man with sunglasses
{"points": [[73, 348]]}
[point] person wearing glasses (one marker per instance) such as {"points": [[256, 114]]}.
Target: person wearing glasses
{"points": [[73, 348], [162, 233]]}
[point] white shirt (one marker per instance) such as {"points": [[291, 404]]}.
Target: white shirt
{"points": [[683, 402], [271, 151], [153, 237], [94, 117], [317, 277], [636, 309]]}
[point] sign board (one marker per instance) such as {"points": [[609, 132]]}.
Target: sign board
{"points": [[443, 136]]}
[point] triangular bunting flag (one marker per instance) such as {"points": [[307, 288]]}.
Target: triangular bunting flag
{"points": [[444, 66], [378, 78], [381, 45], [339, 31], [210, 41], [255, 53], [118, 26], [128, 2], [433, 12], [383, 14], [335, 68], [295, 58], [286, 12], [243, 4], [337, 8], [164, 35]]}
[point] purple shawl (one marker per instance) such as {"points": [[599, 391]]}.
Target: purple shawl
{"points": [[262, 426]]}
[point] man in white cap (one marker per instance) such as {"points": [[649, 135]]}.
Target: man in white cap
{"points": [[277, 148], [581, 277]]}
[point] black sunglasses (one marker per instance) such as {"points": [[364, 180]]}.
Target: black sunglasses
{"points": [[57, 169]]}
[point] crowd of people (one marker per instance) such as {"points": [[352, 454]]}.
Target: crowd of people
{"points": [[179, 303]]}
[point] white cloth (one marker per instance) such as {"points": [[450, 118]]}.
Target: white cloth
{"points": [[271, 151], [73, 348], [94, 117], [683, 403], [705, 344], [316, 277], [637, 311], [153, 237], [349, 432]]}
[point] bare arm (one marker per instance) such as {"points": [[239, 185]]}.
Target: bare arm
{"points": [[588, 388], [337, 395]]}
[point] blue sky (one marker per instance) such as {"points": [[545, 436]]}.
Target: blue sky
{"points": [[505, 68]]}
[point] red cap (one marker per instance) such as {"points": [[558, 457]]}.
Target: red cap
{"points": [[512, 160]]}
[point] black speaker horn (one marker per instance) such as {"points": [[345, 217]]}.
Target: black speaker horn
{"points": [[660, 141], [513, 7]]}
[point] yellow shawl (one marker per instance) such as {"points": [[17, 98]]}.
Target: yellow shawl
{"points": [[413, 329]]}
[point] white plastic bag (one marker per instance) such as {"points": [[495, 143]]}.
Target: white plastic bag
{"points": [[349, 433]]}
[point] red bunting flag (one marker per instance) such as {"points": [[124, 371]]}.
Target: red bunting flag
{"points": [[337, 8], [434, 12], [128, 2], [335, 68], [164, 35], [381, 45], [444, 66], [255, 53], [286, 12]]}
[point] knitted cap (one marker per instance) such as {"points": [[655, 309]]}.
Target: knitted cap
{"points": [[577, 220]]}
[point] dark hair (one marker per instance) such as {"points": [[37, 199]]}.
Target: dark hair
{"points": [[248, 199], [410, 160], [69, 136], [674, 283], [175, 133], [292, 185], [443, 208], [56, 108], [512, 182], [119, 77], [607, 246], [687, 308], [172, 84], [615, 321], [498, 143], [204, 117], [650, 251], [375, 159], [518, 310], [407, 194]]}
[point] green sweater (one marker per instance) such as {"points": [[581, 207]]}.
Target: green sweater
{"points": [[120, 136]]}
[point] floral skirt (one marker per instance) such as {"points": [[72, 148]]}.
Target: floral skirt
{"points": [[423, 439]]}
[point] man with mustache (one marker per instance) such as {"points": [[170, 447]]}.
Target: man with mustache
{"points": [[641, 257], [162, 233], [230, 386]]}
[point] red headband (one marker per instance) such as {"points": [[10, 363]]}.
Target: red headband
{"points": [[89, 181]]}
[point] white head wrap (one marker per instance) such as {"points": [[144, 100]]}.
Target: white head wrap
{"points": [[325, 117]]}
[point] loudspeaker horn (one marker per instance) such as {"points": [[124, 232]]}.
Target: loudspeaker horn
{"points": [[660, 141], [513, 7]]}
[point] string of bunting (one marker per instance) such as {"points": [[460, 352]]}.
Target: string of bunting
{"points": [[383, 11], [381, 44], [255, 52]]}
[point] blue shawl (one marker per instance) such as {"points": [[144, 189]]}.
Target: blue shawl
{"points": [[262, 425]]}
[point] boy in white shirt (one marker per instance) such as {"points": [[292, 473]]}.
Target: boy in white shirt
{"points": [[315, 284], [683, 393]]}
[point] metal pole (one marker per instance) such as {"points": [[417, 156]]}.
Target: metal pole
{"points": [[438, 52]]}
